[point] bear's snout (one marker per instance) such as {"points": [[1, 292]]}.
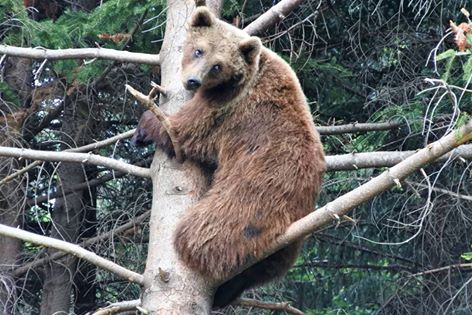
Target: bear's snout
{"points": [[193, 83]]}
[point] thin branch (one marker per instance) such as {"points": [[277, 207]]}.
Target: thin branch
{"points": [[84, 185], [118, 307], [324, 264], [356, 127], [341, 242], [85, 148], [86, 158], [336, 209], [467, 266], [80, 53], [443, 191], [281, 306], [354, 161], [103, 143], [73, 249], [91, 241], [274, 15], [148, 102]]}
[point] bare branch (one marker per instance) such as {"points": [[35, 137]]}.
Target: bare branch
{"points": [[323, 264], [345, 243], [275, 14], [118, 307], [356, 127], [56, 255], [466, 266], [73, 249], [85, 158], [80, 53], [354, 161], [283, 306], [103, 143], [440, 190]]}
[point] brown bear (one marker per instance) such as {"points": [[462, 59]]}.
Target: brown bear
{"points": [[249, 121]]}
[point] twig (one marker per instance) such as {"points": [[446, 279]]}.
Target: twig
{"points": [[444, 191], [148, 102], [73, 249], [326, 264], [85, 158], [445, 268], [282, 306], [118, 307], [56, 255], [80, 53], [342, 242]]}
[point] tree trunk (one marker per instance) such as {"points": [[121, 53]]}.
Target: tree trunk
{"points": [[171, 288], [68, 215], [10, 213], [85, 284], [18, 76]]}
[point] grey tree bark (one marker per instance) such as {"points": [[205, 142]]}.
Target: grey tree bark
{"points": [[68, 214], [10, 214], [169, 287], [18, 76]]}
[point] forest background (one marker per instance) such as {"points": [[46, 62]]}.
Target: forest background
{"points": [[380, 76]]}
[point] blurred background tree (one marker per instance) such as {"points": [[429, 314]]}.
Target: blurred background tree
{"points": [[358, 61]]}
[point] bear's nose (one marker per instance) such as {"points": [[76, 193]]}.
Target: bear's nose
{"points": [[193, 83]]}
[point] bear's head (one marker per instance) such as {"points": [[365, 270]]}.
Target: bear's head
{"points": [[218, 57]]}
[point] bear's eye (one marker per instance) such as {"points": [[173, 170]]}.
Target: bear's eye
{"points": [[197, 53], [216, 68]]}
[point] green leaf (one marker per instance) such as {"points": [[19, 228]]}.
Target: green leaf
{"points": [[467, 68], [446, 55], [467, 256]]}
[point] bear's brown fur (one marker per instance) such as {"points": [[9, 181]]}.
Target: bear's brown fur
{"points": [[249, 119]]}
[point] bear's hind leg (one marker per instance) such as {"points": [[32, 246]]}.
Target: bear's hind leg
{"points": [[274, 266]]}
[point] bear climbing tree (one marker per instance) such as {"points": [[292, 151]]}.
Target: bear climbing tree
{"points": [[101, 202], [257, 136]]}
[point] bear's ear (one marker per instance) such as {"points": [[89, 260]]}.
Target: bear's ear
{"points": [[250, 48], [202, 17]]}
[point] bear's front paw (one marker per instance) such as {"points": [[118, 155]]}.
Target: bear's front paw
{"points": [[147, 131]]}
